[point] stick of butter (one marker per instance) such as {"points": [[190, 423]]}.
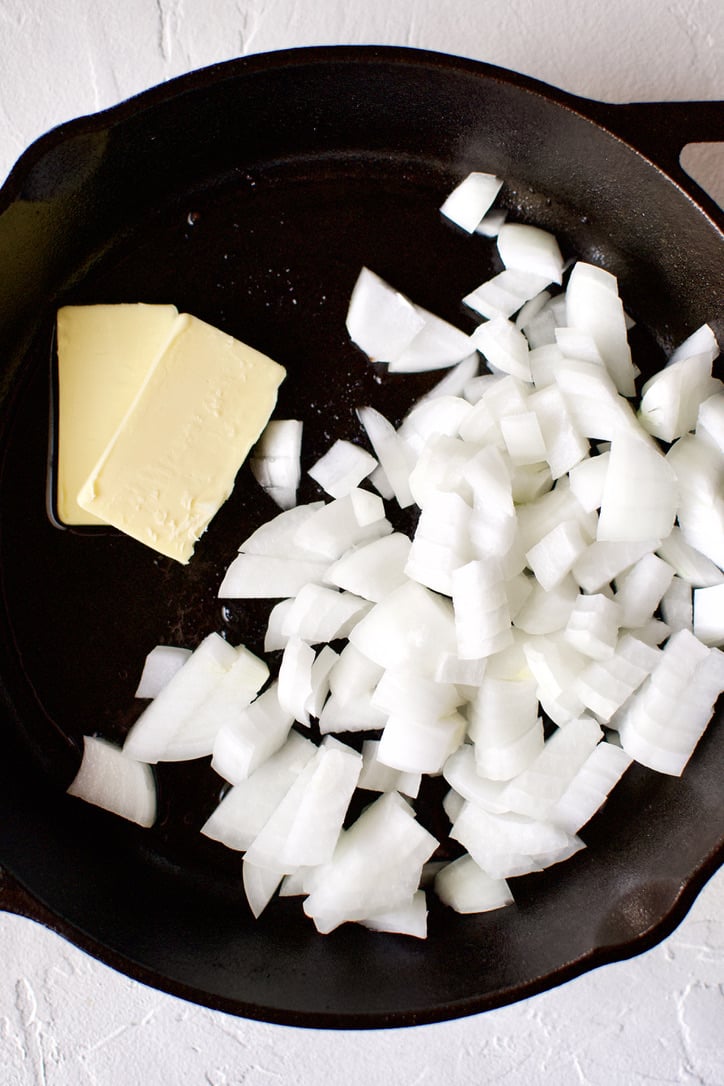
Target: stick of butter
{"points": [[172, 461], [104, 355]]}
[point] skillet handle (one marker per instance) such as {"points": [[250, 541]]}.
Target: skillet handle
{"points": [[661, 130]]}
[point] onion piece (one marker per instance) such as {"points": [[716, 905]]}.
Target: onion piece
{"points": [[108, 778], [295, 679], [441, 466], [259, 731], [440, 544], [701, 342], [471, 199], [662, 723], [564, 447], [709, 614], [342, 523], [640, 493], [602, 561], [324, 661], [461, 773], [342, 468], [275, 538], [455, 380], [155, 729], [503, 347], [677, 605], [376, 866], [160, 665], [491, 222], [589, 788], [593, 306], [506, 844], [640, 589], [531, 250], [699, 473], [481, 610], [409, 919], [439, 415], [415, 745], [233, 692], [689, 564], [544, 611], [605, 685], [438, 345], [587, 480], [275, 461], [391, 452], [411, 627], [356, 714], [321, 614], [670, 400], [380, 320], [304, 828], [505, 293], [555, 555], [378, 777], [710, 421], [404, 692], [466, 888], [275, 638], [258, 576], [353, 675], [372, 570], [539, 787], [244, 810], [260, 885], [593, 625]]}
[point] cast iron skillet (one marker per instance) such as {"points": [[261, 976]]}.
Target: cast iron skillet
{"points": [[250, 194]]}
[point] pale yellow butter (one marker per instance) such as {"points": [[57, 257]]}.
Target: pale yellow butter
{"points": [[104, 355], [172, 462]]}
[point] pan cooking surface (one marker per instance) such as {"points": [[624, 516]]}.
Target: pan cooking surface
{"points": [[268, 247]]}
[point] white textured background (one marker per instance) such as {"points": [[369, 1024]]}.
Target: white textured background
{"points": [[65, 1020]]}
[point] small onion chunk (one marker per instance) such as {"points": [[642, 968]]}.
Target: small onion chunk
{"points": [[109, 778]]}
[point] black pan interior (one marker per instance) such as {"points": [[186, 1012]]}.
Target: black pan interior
{"points": [[250, 195]]}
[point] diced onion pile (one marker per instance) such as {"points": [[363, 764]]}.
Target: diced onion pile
{"points": [[567, 564]]}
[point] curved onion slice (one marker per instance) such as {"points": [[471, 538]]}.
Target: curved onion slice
{"points": [[160, 665], [110, 779], [466, 888], [153, 734]]}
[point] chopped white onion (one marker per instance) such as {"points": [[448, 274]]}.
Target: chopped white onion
{"points": [[246, 807], [154, 732], [258, 576], [504, 347], [160, 665], [532, 251], [109, 778], [342, 468], [372, 570], [471, 199], [466, 888], [275, 462], [380, 320], [540, 578]]}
